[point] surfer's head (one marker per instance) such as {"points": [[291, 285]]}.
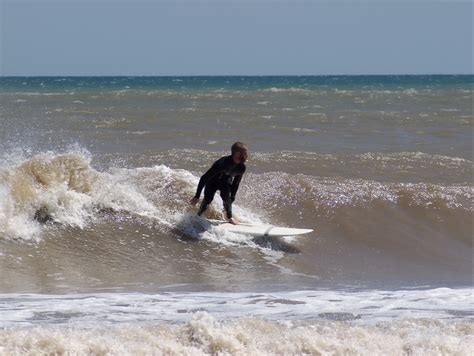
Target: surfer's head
{"points": [[240, 152]]}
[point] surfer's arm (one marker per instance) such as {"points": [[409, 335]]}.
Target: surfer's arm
{"points": [[227, 200], [235, 186]]}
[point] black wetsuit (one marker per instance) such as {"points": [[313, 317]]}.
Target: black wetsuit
{"points": [[224, 175]]}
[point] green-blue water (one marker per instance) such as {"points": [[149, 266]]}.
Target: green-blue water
{"points": [[236, 82]]}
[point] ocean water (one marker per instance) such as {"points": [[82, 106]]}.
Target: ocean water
{"points": [[100, 252]]}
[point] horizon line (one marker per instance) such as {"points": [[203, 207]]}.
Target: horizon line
{"points": [[231, 75]]}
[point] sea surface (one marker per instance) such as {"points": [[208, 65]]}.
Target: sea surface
{"points": [[100, 252]]}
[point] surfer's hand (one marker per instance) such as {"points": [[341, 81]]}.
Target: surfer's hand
{"points": [[194, 201], [233, 221]]}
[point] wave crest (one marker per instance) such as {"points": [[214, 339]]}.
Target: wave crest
{"points": [[60, 188]]}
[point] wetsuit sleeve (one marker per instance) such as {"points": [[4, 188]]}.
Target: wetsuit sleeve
{"points": [[229, 199], [235, 185], [211, 173]]}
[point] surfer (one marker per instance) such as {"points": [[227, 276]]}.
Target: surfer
{"points": [[224, 175]]}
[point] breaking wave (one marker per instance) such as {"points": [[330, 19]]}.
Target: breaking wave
{"points": [[62, 189], [65, 189]]}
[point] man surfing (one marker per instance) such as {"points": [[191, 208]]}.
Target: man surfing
{"points": [[224, 175]]}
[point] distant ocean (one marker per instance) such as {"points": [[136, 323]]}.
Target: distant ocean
{"points": [[99, 253]]}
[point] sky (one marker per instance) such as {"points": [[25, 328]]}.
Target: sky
{"points": [[235, 37]]}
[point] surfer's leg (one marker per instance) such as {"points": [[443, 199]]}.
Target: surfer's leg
{"points": [[209, 193]]}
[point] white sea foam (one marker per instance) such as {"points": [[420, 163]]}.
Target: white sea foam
{"points": [[65, 189], [340, 91], [410, 91], [112, 122], [316, 114], [303, 322], [299, 129], [139, 133], [38, 94], [365, 307], [13, 223], [286, 90], [204, 335]]}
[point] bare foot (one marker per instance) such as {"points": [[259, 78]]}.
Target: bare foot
{"points": [[233, 221]]}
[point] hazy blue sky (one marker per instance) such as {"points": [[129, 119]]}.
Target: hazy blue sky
{"points": [[259, 37]]}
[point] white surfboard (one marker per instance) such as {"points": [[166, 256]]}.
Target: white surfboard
{"points": [[258, 230]]}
